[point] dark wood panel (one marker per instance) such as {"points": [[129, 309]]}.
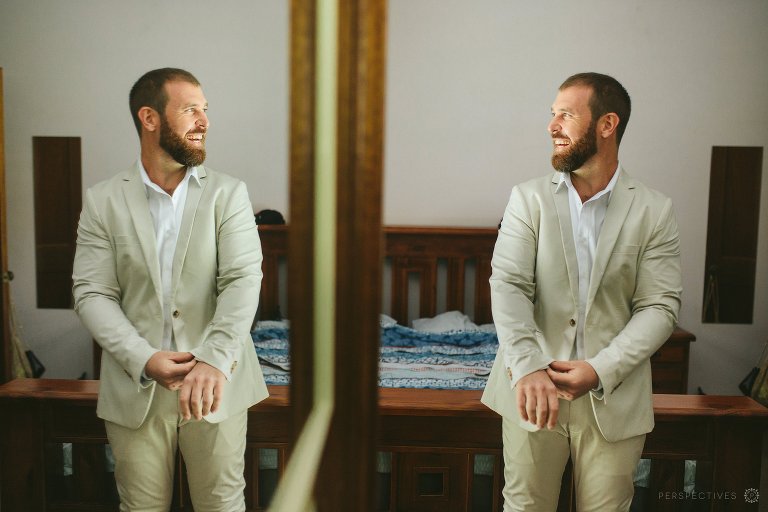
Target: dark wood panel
{"points": [[276, 240], [433, 482], [22, 472], [667, 443], [67, 421], [58, 201], [732, 229], [423, 432], [669, 365]]}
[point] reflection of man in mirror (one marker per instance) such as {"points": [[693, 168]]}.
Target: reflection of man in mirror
{"points": [[166, 278], [585, 288]]}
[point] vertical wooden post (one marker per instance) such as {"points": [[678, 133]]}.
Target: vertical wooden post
{"points": [[301, 216]]}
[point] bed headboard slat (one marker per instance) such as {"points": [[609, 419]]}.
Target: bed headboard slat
{"points": [[449, 266], [456, 292], [275, 250]]}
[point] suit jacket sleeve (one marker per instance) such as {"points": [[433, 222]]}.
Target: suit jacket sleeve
{"points": [[238, 283], [655, 305], [97, 294], [513, 287]]}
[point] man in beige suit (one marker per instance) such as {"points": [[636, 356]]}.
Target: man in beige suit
{"points": [[585, 287], [166, 277]]}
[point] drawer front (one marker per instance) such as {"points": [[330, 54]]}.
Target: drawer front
{"points": [[668, 378], [670, 354]]}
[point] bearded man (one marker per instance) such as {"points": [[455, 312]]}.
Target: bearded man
{"points": [[166, 276], [585, 287]]}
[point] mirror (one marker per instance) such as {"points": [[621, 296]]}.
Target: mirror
{"points": [[68, 68]]}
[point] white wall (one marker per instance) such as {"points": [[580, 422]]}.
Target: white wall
{"points": [[68, 67], [469, 87]]}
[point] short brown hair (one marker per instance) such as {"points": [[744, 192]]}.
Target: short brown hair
{"points": [[608, 95], [149, 90]]}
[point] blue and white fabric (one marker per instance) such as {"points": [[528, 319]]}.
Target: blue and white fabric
{"points": [[409, 358]]}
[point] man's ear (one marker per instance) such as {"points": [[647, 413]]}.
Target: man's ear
{"points": [[149, 119], [608, 125]]}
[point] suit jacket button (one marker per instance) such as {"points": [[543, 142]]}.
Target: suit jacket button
{"points": [[572, 322], [176, 313]]}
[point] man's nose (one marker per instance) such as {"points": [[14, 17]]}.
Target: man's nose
{"points": [[553, 126], [202, 121]]}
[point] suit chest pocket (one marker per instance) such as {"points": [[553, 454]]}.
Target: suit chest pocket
{"points": [[128, 254], [623, 263], [626, 249]]}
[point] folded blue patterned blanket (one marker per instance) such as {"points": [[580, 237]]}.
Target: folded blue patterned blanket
{"points": [[409, 358]]}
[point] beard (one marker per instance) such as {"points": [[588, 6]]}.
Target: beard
{"points": [[179, 149], [578, 153]]}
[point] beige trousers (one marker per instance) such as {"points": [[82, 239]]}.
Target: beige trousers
{"points": [[213, 454], [534, 463]]}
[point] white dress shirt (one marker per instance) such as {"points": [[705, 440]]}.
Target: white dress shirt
{"points": [[586, 220], [167, 211]]}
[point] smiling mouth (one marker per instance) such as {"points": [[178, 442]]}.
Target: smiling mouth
{"points": [[196, 138], [561, 143]]}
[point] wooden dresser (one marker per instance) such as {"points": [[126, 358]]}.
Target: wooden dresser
{"points": [[669, 365]]}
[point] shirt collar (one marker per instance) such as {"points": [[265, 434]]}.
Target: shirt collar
{"points": [[565, 181], [191, 174]]}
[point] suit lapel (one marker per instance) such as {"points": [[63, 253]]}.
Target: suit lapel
{"points": [[560, 196], [618, 208], [138, 208], [194, 193]]}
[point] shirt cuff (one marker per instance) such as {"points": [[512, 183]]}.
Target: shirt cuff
{"points": [[145, 381], [518, 368], [598, 392]]}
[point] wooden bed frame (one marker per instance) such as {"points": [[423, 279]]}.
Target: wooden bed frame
{"points": [[433, 435]]}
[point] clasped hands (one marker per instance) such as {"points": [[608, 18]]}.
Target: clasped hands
{"points": [[200, 385], [538, 392]]}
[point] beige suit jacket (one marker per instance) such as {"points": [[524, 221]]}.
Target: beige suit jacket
{"points": [[215, 289], [632, 306]]}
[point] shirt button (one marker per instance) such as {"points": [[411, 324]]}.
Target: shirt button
{"points": [[572, 322], [176, 314]]}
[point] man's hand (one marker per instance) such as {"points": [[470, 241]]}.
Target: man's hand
{"points": [[169, 368], [537, 399], [201, 391], [573, 378]]}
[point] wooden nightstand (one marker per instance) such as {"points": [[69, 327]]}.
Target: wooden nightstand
{"points": [[669, 365]]}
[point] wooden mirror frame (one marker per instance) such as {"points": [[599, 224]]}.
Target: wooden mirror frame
{"points": [[350, 448]]}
